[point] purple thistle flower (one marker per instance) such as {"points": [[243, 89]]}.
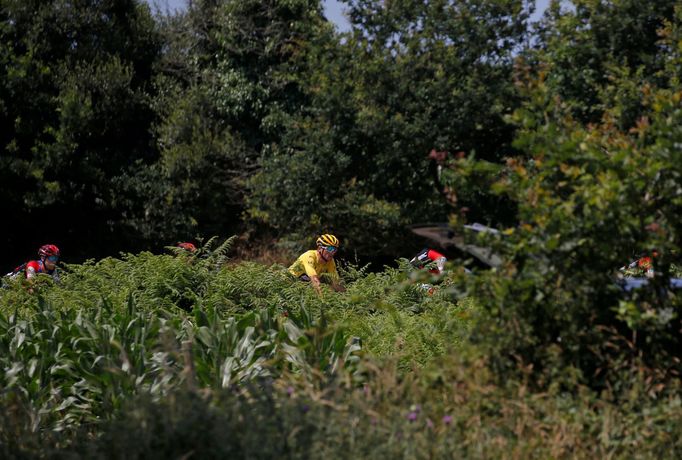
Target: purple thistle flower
{"points": [[412, 416], [290, 391], [447, 419], [429, 423]]}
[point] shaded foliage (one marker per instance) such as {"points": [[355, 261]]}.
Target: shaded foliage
{"points": [[230, 81], [410, 77], [120, 130], [589, 197], [615, 46], [74, 120]]}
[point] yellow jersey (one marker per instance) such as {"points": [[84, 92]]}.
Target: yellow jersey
{"points": [[311, 264]]}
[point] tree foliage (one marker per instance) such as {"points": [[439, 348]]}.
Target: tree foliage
{"points": [[589, 197], [230, 84], [411, 77], [598, 53], [75, 114]]}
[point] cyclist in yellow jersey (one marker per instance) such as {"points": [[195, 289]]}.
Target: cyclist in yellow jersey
{"points": [[311, 264]]}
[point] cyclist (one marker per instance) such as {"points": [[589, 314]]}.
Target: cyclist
{"points": [[189, 247], [644, 263], [48, 256], [311, 264], [428, 256]]}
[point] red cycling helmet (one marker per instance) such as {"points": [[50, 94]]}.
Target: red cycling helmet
{"points": [[48, 250], [187, 246]]}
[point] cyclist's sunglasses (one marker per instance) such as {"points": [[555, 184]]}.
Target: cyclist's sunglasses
{"points": [[53, 259], [331, 248]]}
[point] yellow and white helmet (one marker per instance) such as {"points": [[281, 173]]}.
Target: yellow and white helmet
{"points": [[328, 240]]}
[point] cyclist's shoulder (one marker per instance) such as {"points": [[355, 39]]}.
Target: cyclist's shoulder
{"points": [[34, 264]]}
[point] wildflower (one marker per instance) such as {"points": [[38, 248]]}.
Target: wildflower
{"points": [[447, 419], [414, 412], [429, 423], [290, 390]]}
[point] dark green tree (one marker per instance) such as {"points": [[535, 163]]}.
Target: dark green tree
{"points": [[75, 115], [593, 51], [412, 78], [230, 84], [588, 196]]}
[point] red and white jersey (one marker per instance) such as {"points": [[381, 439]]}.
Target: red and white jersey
{"points": [[427, 256], [34, 267]]}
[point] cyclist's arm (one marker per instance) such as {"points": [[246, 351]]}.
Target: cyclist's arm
{"points": [[315, 281], [32, 269], [440, 263], [337, 286]]}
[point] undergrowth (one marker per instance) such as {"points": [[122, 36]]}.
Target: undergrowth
{"points": [[146, 324], [186, 356]]}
